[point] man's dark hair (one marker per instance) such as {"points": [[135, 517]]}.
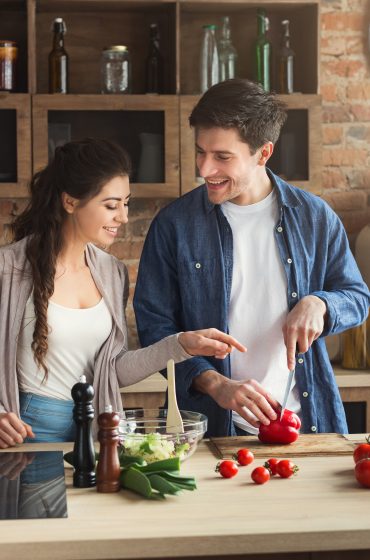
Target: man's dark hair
{"points": [[244, 105]]}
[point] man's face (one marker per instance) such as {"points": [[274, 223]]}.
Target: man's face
{"points": [[229, 169]]}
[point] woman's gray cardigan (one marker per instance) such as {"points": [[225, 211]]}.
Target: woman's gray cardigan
{"points": [[115, 365]]}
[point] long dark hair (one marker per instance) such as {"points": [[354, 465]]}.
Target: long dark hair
{"points": [[80, 169]]}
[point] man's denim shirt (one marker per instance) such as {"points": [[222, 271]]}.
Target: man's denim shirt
{"points": [[184, 283]]}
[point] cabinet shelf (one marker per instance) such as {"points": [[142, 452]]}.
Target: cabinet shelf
{"points": [[94, 24], [85, 114], [303, 16], [15, 142], [308, 141], [13, 27]]}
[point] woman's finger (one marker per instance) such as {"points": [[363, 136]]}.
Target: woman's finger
{"points": [[220, 336], [28, 429], [229, 340], [6, 440], [13, 427]]}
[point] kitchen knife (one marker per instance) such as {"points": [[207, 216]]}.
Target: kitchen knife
{"points": [[287, 391]]}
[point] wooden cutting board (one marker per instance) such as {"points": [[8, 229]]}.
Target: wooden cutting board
{"points": [[306, 445]]}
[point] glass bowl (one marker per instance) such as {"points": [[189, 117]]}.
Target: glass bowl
{"points": [[143, 432]]}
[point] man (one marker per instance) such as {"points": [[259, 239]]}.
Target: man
{"points": [[248, 253]]}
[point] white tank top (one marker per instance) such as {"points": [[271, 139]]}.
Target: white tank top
{"points": [[75, 337], [258, 302]]}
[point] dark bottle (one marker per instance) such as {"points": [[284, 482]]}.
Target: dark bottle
{"points": [[154, 63], [58, 59], [83, 451], [286, 61], [108, 470], [262, 52]]}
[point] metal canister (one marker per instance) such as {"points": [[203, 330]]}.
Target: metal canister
{"points": [[116, 70], [8, 65]]}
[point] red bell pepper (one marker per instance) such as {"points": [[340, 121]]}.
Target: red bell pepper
{"points": [[282, 431]]}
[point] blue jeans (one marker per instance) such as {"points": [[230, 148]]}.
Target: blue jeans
{"points": [[51, 420]]}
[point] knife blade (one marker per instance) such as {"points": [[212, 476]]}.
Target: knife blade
{"points": [[287, 391]]}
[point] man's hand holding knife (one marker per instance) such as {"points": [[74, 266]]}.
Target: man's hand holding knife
{"points": [[304, 324]]}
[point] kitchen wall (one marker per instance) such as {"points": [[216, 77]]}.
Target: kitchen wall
{"points": [[345, 88]]}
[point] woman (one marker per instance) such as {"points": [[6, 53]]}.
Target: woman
{"points": [[62, 299]]}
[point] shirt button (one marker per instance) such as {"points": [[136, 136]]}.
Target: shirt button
{"points": [[300, 360], [279, 229], [313, 429], [305, 394], [294, 294], [198, 265], [289, 261]]}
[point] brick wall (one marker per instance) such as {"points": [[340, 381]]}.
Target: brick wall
{"points": [[345, 88]]}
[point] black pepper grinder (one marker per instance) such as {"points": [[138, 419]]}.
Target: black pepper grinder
{"points": [[83, 451], [108, 469]]}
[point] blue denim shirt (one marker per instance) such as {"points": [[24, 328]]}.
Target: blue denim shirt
{"points": [[184, 283]]}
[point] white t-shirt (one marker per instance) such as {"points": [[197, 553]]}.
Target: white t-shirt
{"points": [[75, 337], [258, 303]]}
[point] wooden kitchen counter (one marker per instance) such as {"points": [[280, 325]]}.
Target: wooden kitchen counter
{"points": [[321, 509]]}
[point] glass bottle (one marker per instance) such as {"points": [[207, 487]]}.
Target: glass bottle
{"points": [[115, 70], [262, 52], [154, 63], [226, 52], [8, 65], [58, 59], [209, 61], [286, 61]]}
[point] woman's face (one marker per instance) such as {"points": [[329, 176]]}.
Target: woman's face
{"points": [[98, 220]]}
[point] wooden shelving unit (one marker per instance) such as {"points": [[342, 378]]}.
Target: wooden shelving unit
{"points": [[113, 116], [94, 24], [303, 15]]}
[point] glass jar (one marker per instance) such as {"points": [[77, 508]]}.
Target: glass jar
{"points": [[8, 63], [116, 70]]}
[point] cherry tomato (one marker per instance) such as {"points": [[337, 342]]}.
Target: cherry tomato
{"points": [[271, 464], [362, 472], [260, 475], [286, 468], [362, 451], [227, 468], [244, 457]]}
